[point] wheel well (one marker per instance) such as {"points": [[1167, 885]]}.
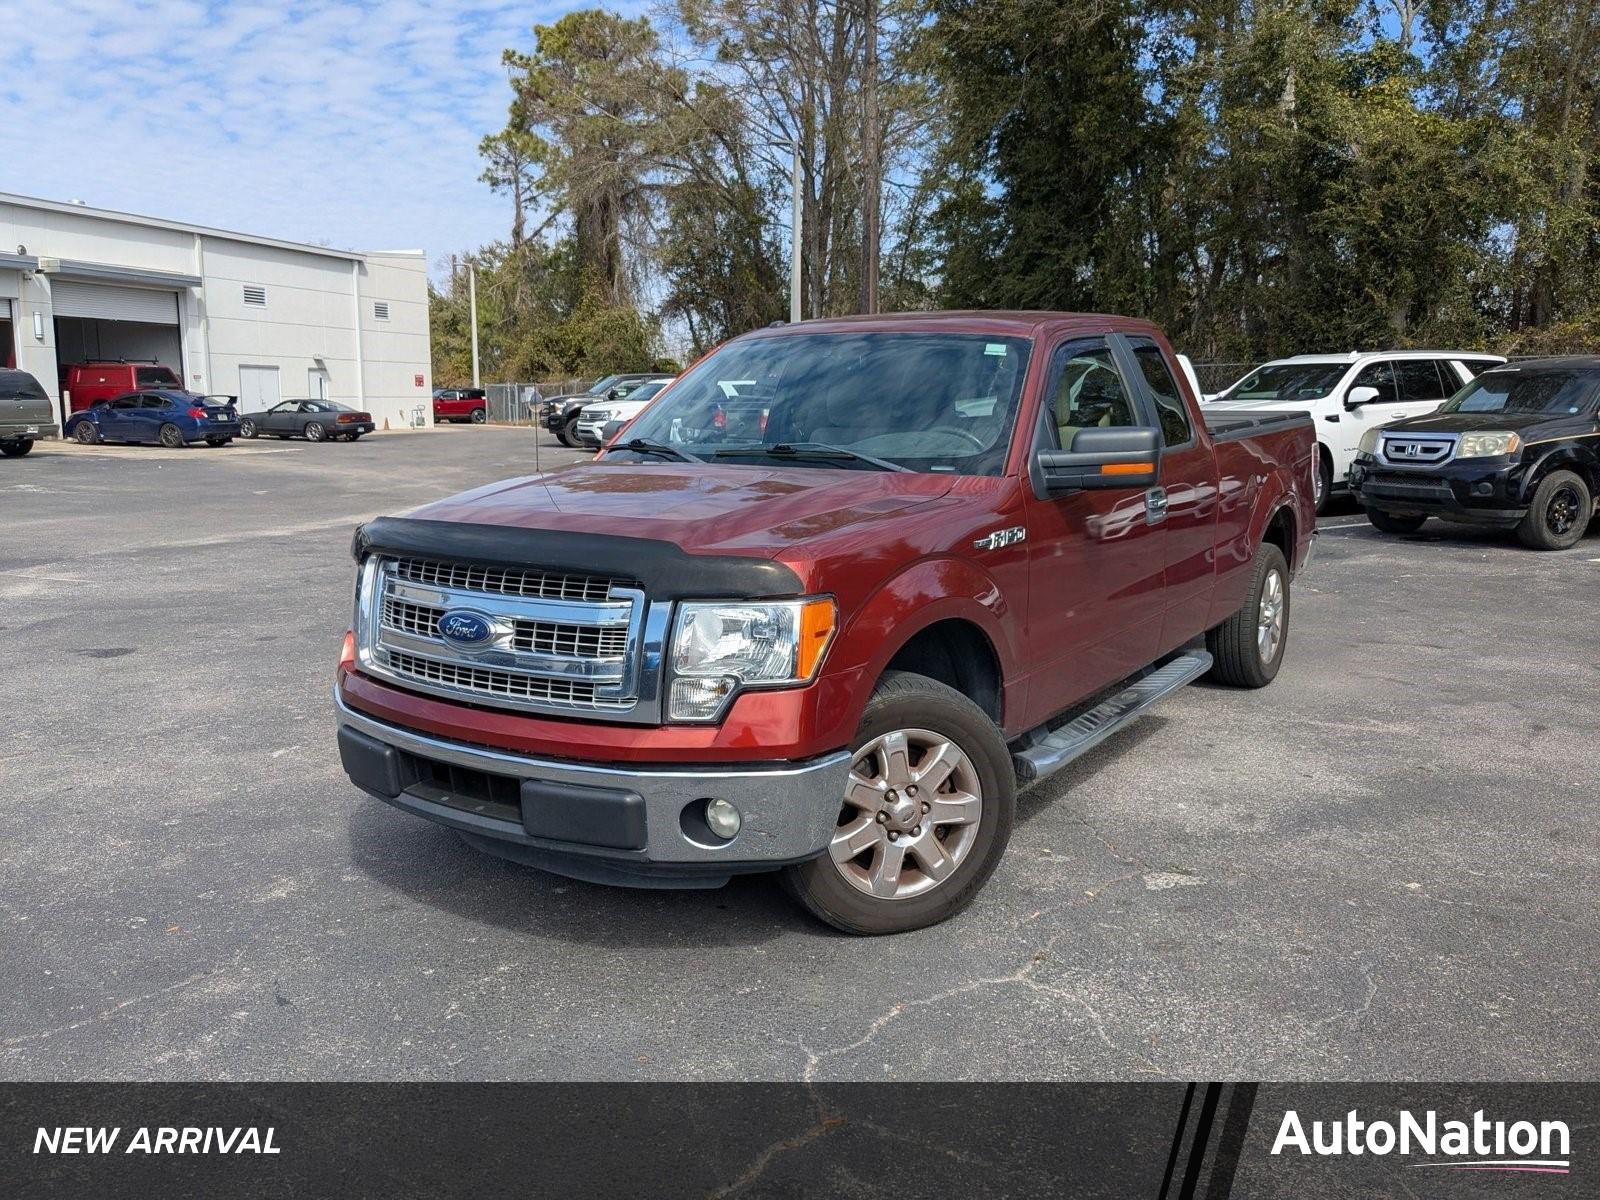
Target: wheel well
{"points": [[1280, 533], [956, 653], [1588, 472]]}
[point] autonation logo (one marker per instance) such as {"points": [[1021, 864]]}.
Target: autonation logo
{"points": [[1478, 1144]]}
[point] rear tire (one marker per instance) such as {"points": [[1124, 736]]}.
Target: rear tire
{"points": [[15, 449], [479, 416], [1559, 513], [351, 437], [172, 436], [315, 432], [1247, 649], [218, 441], [937, 844], [1394, 522]]}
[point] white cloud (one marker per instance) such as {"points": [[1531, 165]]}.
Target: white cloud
{"points": [[315, 120]]}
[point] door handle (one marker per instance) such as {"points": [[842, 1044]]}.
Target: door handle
{"points": [[1155, 506]]}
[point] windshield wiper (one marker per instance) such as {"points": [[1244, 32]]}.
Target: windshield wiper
{"points": [[810, 450], [645, 446]]}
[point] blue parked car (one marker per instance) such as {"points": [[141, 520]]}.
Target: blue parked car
{"points": [[170, 418]]}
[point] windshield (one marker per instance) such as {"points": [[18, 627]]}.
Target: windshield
{"points": [[924, 401], [601, 385], [1511, 391], [155, 377], [1287, 381]]}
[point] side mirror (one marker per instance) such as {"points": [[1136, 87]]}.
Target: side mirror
{"points": [[1099, 458], [1358, 396]]}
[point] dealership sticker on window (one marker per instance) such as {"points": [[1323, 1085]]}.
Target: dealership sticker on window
{"points": [[998, 348]]}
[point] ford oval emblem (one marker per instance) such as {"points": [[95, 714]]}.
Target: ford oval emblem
{"points": [[465, 627]]}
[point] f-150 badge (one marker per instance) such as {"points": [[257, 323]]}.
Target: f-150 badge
{"points": [[1001, 538]]}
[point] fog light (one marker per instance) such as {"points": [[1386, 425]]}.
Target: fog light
{"points": [[722, 818], [1483, 489]]}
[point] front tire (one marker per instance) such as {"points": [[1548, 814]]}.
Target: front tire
{"points": [[1322, 482], [247, 429], [567, 435], [926, 815], [15, 449], [172, 436], [1247, 649], [86, 432], [1394, 522], [315, 432], [1559, 513]]}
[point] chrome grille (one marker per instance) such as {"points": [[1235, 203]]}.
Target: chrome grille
{"points": [[1416, 450], [507, 581], [490, 683], [543, 637], [552, 641]]}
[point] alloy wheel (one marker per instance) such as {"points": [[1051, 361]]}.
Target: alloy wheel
{"points": [[911, 813], [1269, 620], [1562, 511]]}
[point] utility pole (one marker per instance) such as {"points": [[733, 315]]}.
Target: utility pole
{"points": [[872, 164], [797, 183], [472, 304]]}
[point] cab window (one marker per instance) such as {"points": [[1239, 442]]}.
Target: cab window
{"points": [[1090, 394], [1418, 379], [1378, 375], [1174, 417]]}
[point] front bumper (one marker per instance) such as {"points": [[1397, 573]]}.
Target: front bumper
{"points": [[633, 826], [1484, 491], [589, 435]]}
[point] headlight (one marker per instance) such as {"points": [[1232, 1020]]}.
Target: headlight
{"points": [[1487, 445], [1369, 442], [720, 646]]}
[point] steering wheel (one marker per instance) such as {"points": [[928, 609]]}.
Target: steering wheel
{"points": [[977, 442]]}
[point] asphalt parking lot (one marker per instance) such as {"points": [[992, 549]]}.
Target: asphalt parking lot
{"points": [[1382, 867]]}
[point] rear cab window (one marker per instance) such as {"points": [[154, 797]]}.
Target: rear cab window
{"points": [[155, 377], [1170, 409]]}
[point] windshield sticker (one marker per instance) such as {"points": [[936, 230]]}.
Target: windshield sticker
{"points": [[996, 348]]}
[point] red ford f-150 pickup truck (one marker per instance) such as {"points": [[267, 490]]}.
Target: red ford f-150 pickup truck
{"points": [[962, 549]]}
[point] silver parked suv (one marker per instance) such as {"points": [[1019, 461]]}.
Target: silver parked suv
{"points": [[25, 414]]}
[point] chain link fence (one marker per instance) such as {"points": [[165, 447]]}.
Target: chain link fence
{"points": [[518, 403]]}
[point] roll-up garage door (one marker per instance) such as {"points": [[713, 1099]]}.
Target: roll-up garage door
{"points": [[107, 302]]}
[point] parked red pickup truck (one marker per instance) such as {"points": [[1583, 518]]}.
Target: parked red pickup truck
{"points": [[963, 548]]}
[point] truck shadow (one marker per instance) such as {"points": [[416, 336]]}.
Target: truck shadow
{"points": [[430, 865]]}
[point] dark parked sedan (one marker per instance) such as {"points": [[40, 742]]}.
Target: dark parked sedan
{"points": [[171, 418], [314, 420]]}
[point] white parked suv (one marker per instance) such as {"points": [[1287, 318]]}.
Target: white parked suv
{"points": [[1348, 394], [593, 418]]}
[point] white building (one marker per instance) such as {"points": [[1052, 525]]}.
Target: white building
{"points": [[231, 313]]}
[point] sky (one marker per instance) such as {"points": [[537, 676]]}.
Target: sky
{"points": [[350, 124]]}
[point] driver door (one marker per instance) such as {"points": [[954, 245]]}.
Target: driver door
{"points": [[280, 417], [1096, 560]]}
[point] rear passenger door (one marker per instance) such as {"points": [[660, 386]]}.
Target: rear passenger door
{"points": [[1095, 560], [1188, 487]]}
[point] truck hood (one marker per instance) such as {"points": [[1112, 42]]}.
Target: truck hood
{"points": [[1467, 422], [724, 508]]}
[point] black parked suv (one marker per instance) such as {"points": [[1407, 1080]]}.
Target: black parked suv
{"points": [[561, 412], [1517, 448]]}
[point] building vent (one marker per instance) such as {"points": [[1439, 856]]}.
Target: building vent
{"points": [[255, 295], [380, 310]]}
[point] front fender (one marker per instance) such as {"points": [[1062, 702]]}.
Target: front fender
{"points": [[925, 593]]}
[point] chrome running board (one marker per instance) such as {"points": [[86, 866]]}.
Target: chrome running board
{"points": [[1053, 749]]}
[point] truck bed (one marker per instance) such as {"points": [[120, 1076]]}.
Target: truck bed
{"points": [[1229, 425]]}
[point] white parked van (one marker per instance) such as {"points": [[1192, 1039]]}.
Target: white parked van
{"points": [[1348, 394]]}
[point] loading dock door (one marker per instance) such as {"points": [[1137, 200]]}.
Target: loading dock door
{"points": [[258, 388], [105, 302]]}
